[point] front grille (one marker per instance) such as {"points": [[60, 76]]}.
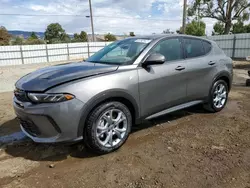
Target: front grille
{"points": [[30, 127], [21, 95]]}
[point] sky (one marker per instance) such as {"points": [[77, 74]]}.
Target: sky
{"points": [[114, 16]]}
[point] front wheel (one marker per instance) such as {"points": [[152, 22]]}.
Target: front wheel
{"points": [[218, 97], [108, 127]]}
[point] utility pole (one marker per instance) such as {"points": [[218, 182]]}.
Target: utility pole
{"points": [[199, 18], [184, 16], [92, 24]]}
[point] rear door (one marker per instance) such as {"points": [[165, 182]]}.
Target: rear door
{"points": [[201, 66], [163, 86]]}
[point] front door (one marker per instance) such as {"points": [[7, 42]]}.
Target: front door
{"points": [[163, 86]]}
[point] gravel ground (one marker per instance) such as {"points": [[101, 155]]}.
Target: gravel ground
{"points": [[10, 74], [188, 148]]}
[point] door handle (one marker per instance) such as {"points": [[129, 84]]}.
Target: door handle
{"points": [[180, 68], [211, 63]]}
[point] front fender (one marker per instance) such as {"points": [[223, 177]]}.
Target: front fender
{"points": [[104, 96]]}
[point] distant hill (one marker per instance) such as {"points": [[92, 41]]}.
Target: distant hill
{"points": [[25, 34]]}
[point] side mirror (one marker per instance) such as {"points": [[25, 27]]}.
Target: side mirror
{"points": [[154, 59]]}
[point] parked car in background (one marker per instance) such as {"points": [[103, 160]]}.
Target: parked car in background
{"points": [[99, 100]]}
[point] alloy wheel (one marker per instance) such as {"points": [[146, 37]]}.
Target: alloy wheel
{"points": [[220, 96], [111, 127]]}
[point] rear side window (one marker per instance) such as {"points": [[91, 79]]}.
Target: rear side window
{"points": [[193, 48], [207, 46]]}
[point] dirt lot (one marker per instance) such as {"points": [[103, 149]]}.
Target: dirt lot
{"points": [[189, 148]]}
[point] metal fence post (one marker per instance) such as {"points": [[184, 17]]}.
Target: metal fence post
{"points": [[88, 50], [234, 44], [47, 54], [21, 51], [68, 51]]}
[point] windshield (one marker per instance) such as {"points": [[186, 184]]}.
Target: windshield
{"points": [[120, 52]]}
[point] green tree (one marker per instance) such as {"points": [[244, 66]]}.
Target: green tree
{"points": [[110, 37], [4, 36], [225, 11], [82, 37], [132, 34], [17, 41], [218, 28], [179, 31], [196, 28], [239, 27], [247, 28], [33, 36], [34, 41], [56, 34]]}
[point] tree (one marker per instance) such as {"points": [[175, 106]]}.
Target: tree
{"points": [[247, 28], [196, 28], [34, 41], [33, 36], [132, 34], [110, 37], [82, 37], [4, 36], [18, 41], [218, 28], [225, 11], [179, 31], [239, 27], [56, 34]]}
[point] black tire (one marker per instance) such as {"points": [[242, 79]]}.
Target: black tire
{"points": [[90, 138], [248, 82], [210, 106]]}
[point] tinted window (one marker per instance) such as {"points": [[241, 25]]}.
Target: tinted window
{"points": [[170, 48], [207, 46], [193, 48]]}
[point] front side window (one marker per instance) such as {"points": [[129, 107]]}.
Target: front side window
{"points": [[170, 48], [120, 52], [193, 48]]}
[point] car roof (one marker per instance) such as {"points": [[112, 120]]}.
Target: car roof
{"points": [[160, 36]]}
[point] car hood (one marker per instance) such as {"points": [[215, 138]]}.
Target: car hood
{"points": [[48, 77]]}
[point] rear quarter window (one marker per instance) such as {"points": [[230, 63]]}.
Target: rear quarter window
{"points": [[193, 47], [207, 46]]}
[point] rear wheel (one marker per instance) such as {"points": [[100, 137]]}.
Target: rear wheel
{"points": [[218, 97], [108, 127], [248, 82]]}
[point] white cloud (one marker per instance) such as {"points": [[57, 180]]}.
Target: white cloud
{"points": [[115, 16]]}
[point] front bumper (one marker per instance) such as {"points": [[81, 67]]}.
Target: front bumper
{"points": [[50, 122]]}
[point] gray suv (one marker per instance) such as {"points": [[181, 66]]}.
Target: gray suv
{"points": [[100, 99]]}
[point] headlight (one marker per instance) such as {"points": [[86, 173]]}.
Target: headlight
{"points": [[49, 98]]}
